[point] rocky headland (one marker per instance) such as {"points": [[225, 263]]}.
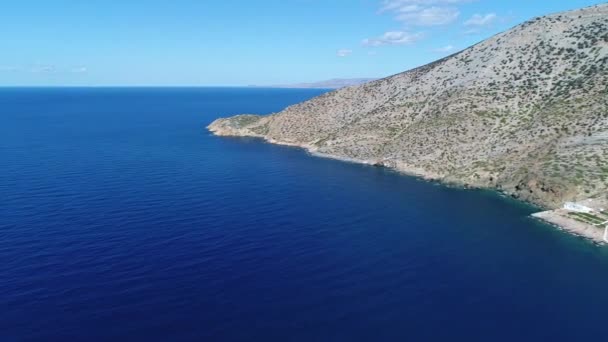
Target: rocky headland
{"points": [[524, 112]]}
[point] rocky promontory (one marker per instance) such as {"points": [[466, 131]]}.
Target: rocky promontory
{"points": [[524, 112]]}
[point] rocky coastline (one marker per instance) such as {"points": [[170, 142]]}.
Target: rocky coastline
{"points": [[524, 112]]}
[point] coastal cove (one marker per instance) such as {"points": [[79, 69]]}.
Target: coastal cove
{"points": [[124, 219], [543, 214], [405, 172], [540, 139], [483, 117], [304, 171]]}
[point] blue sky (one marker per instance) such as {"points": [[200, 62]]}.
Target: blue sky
{"points": [[241, 42]]}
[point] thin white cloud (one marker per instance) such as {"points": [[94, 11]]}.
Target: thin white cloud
{"points": [[344, 52], [423, 12], [432, 16], [415, 13], [390, 5], [8, 68], [471, 32], [393, 38], [42, 68], [444, 49], [79, 70], [481, 20]]}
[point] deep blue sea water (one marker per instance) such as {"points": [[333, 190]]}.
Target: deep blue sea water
{"points": [[121, 218]]}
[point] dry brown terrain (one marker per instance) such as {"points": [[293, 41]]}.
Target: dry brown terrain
{"points": [[525, 112]]}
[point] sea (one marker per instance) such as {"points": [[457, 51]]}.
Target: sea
{"points": [[123, 219]]}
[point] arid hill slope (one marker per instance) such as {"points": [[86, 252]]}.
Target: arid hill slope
{"points": [[525, 112]]}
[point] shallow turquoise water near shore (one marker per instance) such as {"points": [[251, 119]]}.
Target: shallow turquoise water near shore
{"points": [[122, 218]]}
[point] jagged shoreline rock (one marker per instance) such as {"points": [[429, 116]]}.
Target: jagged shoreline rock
{"points": [[222, 127], [524, 112]]}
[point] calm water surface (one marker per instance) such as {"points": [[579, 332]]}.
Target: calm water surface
{"points": [[121, 218]]}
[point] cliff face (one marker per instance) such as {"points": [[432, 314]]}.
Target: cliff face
{"points": [[525, 111]]}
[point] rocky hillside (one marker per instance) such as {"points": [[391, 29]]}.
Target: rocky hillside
{"points": [[335, 83], [525, 112]]}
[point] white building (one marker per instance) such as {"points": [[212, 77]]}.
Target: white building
{"points": [[579, 208]]}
